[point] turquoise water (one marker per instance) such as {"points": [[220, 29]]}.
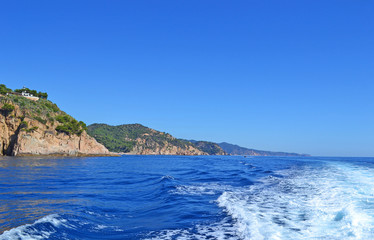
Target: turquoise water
{"points": [[187, 197]]}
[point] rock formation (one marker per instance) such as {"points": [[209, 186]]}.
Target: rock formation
{"points": [[146, 147], [22, 133]]}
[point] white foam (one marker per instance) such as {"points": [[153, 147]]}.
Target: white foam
{"points": [[201, 189], [305, 204], [29, 232], [167, 177], [220, 231]]}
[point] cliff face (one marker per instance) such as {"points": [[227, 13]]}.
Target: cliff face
{"points": [[147, 147], [24, 134]]}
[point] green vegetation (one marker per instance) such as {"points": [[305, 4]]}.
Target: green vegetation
{"points": [[38, 110], [4, 90], [116, 139], [51, 106], [32, 129], [23, 125], [63, 118], [41, 120], [70, 126], [7, 109]]}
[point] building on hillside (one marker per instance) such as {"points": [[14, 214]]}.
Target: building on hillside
{"points": [[29, 96], [25, 94]]}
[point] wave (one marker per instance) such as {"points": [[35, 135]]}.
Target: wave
{"points": [[55, 226], [40, 229], [200, 189]]}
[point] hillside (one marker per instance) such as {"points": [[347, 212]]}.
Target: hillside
{"points": [[138, 139], [237, 150], [210, 148], [31, 125]]}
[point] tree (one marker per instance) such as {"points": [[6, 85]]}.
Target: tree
{"points": [[4, 90], [43, 95], [22, 90]]}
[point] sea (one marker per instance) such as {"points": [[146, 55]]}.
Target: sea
{"points": [[187, 197]]}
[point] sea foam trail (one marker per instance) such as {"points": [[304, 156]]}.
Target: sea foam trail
{"points": [[335, 202]]}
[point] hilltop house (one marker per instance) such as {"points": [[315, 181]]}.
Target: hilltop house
{"points": [[29, 96], [26, 95]]}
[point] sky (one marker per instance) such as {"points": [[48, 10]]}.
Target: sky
{"points": [[295, 76]]}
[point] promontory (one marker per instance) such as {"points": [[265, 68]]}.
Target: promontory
{"points": [[31, 125]]}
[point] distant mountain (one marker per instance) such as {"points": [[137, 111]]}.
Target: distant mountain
{"points": [[209, 147], [237, 150], [138, 139]]}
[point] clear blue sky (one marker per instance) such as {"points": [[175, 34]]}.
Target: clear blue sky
{"points": [[275, 75]]}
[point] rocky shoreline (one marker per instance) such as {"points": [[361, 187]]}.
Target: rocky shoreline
{"points": [[31, 129]]}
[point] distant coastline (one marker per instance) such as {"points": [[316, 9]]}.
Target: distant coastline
{"points": [[136, 139]]}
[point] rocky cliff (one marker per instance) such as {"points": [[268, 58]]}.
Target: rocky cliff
{"points": [[149, 147], [35, 128]]}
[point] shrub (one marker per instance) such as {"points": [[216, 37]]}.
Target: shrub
{"points": [[83, 125], [52, 120], [23, 124], [63, 118], [41, 120], [31, 129], [7, 109], [70, 126]]}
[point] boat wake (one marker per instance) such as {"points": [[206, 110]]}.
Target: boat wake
{"points": [[332, 202]]}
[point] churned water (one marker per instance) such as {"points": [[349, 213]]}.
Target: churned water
{"points": [[175, 197]]}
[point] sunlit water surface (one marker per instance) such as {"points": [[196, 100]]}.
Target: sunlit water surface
{"points": [[175, 197]]}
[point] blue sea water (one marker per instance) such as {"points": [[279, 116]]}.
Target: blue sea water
{"points": [[187, 197]]}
